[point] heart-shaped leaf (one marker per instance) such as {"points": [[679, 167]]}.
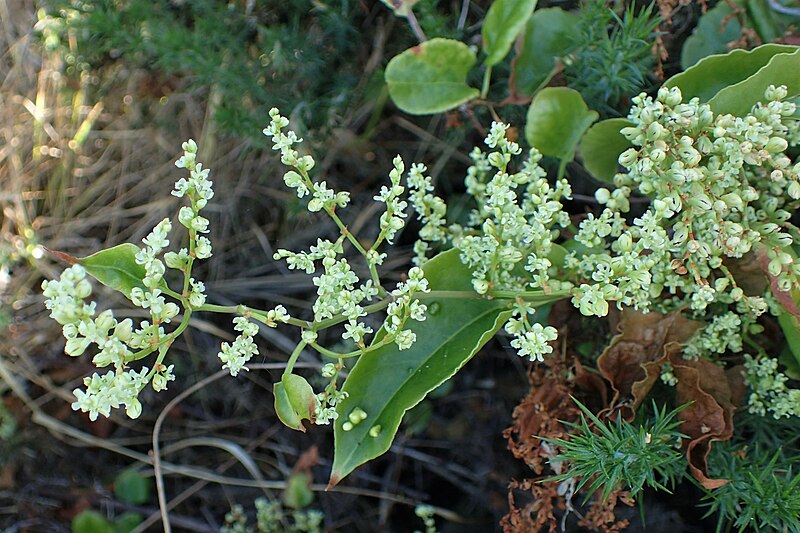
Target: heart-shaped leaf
{"points": [[503, 22], [601, 146], [737, 99], [384, 384], [295, 401], [714, 73], [714, 31], [549, 34], [431, 77], [557, 119], [116, 268]]}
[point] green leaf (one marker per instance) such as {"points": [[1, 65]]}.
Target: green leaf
{"points": [[387, 382], [714, 31], [294, 401], [738, 99], [116, 268], [127, 522], [549, 34], [89, 521], [557, 119], [601, 146], [715, 73], [503, 22], [431, 77], [131, 487], [401, 8], [298, 493], [790, 325]]}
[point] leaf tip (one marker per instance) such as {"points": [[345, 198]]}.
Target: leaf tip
{"points": [[61, 256], [333, 481]]}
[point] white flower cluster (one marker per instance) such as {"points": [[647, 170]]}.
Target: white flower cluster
{"points": [[325, 409], [339, 290], [720, 183], [517, 218], [117, 342], [198, 189], [532, 339], [65, 298], [722, 334], [321, 196], [235, 356], [393, 219], [769, 392], [431, 211], [404, 306]]}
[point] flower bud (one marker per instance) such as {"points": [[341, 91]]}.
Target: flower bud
{"points": [[776, 144], [124, 330], [133, 408]]}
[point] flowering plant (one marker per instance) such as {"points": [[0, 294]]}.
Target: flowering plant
{"points": [[718, 190]]}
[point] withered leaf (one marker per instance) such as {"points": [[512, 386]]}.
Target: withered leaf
{"points": [[633, 359], [709, 417]]}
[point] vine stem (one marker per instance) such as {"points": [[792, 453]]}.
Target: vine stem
{"points": [[293, 358], [487, 78]]}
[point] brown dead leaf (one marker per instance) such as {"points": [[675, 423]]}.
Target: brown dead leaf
{"points": [[539, 415], [307, 460], [633, 359], [536, 514], [709, 417], [601, 517]]}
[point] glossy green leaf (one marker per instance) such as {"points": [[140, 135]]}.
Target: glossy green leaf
{"points": [[714, 73], [131, 487], [116, 268], [557, 119], [549, 34], [401, 8], [294, 401], [386, 383], [503, 22], [714, 31], [431, 77], [601, 146], [790, 325], [737, 99]]}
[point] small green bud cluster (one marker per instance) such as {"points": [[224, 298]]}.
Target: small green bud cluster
{"points": [[720, 183], [768, 389]]}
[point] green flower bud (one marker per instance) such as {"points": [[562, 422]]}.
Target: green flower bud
{"points": [[776, 144]]}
